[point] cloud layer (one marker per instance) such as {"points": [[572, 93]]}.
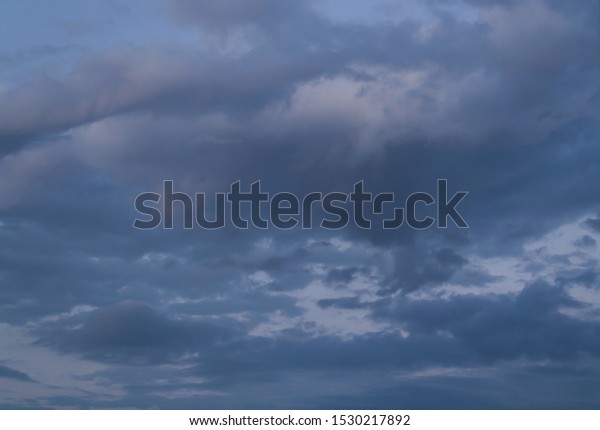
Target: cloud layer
{"points": [[500, 98]]}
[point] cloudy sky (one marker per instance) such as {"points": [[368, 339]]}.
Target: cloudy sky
{"points": [[103, 100]]}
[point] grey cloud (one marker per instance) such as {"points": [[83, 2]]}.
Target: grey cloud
{"points": [[162, 81], [528, 324], [343, 303], [132, 332], [416, 268], [504, 106], [222, 16], [7, 372], [278, 262], [593, 223], [343, 276], [586, 241], [587, 278]]}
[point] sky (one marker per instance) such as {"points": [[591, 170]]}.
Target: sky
{"points": [[103, 100]]}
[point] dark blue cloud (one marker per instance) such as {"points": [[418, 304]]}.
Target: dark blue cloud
{"points": [[7, 372], [500, 98]]}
